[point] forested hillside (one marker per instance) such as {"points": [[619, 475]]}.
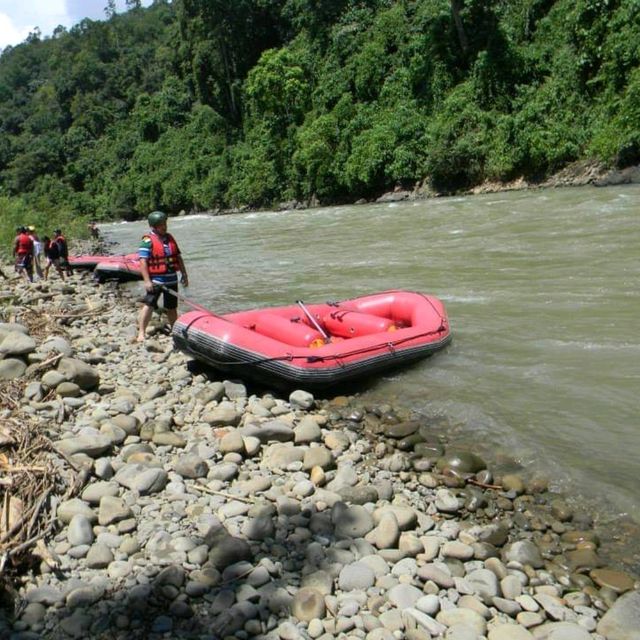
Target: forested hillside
{"points": [[204, 104]]}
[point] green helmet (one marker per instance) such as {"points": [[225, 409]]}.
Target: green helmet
{"points": [[156, 217]]}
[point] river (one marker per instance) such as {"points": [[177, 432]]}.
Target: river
{"points": [[542, 291]]}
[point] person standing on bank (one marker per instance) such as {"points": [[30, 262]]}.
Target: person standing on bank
{"points": [[63, 251], [37, 250], [160, 261], [23, 253]]}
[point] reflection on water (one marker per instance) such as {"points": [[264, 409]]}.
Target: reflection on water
{"points": [[542, 292]]}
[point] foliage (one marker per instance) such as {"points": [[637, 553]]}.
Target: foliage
{"points": [[207, 104]]}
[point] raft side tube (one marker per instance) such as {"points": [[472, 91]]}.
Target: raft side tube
{"points": [[296, 334], [351, 324]]}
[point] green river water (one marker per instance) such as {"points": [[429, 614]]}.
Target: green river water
{"points": [[542, 291]]}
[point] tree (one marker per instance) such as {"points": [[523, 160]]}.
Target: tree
{"points": [[110, 9]]}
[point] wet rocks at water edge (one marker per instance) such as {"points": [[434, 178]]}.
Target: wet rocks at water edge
{"points": [[207, 510]]}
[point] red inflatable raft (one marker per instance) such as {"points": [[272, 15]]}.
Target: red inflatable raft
{"points": [[121, 268], [90, 262], [317, 345]]}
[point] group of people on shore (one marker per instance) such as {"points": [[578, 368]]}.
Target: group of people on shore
{"points": [[34, 257], [160, 263]]}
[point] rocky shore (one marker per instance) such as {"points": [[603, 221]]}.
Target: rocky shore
{"points": [[180, 505]]}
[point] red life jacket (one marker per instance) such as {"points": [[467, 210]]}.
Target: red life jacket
{"points": [[24, 244], [158, 262]]}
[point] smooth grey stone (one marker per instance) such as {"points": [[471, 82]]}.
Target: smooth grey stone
{"points": [[307, 430], [12, 368], [318, 456], [45, 594], [144, 480], [92, 445], [429, 604], [308, 604], [572, 631], [99, 556], [16, 343], [446, 501], [191, 466], [300, 399], [525, 552], [356, 575], [127, 423], [224, 415], [94, 492], [403, 596], [416, 619], [84, 596], [359, 494], [467, 617], [113, 509], [33, 615], [387, 533], [435, 574], [271, 431], [351, 521], [484, 583], [509, 632], [80, 531], [226, 549], [320, 580], [622, 620], [77, 624], [85, 376], [281, 455]]}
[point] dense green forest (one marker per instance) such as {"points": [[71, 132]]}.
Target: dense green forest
{"points": [[207, 104]]}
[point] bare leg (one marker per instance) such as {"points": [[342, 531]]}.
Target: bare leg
{"points": [[144, 316], [172, 316]]}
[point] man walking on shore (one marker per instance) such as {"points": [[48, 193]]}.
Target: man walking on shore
{"points": [[23, 252], [160, 261]]}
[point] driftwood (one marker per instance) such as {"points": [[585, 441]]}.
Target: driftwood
{"points": [[31, 473], [228, 496]]}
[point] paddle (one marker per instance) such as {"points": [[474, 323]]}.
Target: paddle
{"points": [[186, 301], [325, 336]]}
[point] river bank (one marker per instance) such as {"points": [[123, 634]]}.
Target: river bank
{"points": [[577, 174], [181, 505]]}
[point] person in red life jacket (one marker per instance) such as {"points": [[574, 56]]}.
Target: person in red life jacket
{"points": [[23, 252], [160, 261], [63, 251]]}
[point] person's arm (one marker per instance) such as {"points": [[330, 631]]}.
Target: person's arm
{"points": [[184, 278], [144, 253], [146, 278]]}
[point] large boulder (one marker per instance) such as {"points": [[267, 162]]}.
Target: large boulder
{"points": [[622, 621], [16, 343], [7, 327], [84, 375], [12, 368]]}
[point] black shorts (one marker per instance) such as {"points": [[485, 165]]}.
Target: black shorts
{"points": [[24, 261], [169, 300]]}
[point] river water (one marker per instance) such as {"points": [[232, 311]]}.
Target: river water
{"points": [[542, 291]]}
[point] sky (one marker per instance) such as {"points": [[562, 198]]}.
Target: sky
{"points": [[19, 17]]}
